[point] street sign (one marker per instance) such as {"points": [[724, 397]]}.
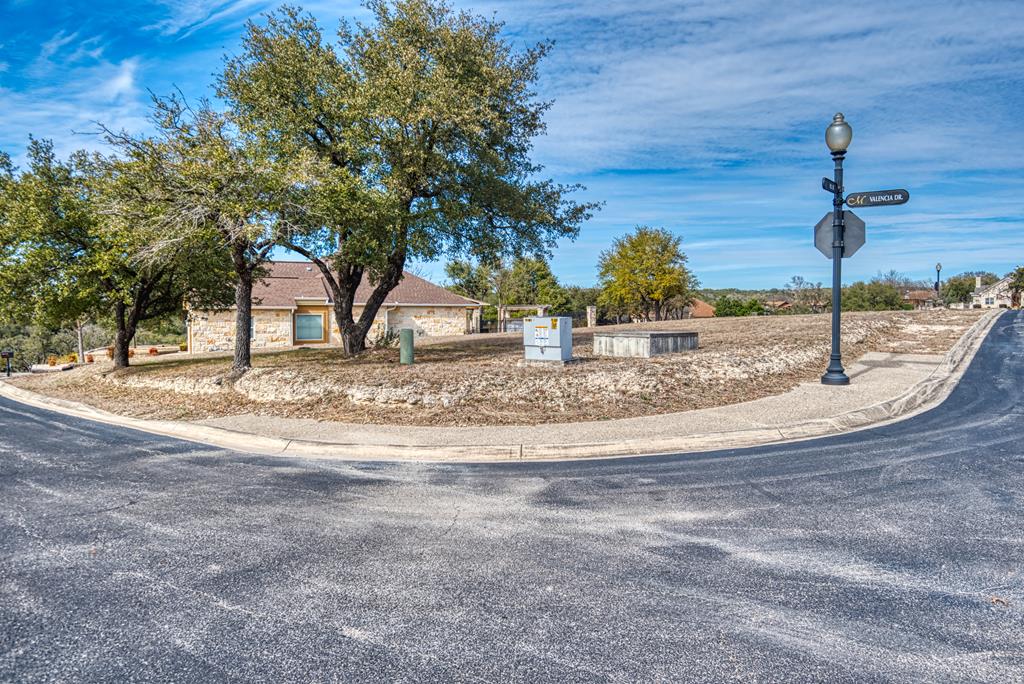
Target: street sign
{"points": [[877, 198], [853, 234], [829, 185]]}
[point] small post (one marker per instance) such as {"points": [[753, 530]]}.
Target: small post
{"points": [[7, 354], [405, 353], [591, 316]]}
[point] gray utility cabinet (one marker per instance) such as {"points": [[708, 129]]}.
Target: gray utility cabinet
{"points": [[548, 338], [643, 343]]}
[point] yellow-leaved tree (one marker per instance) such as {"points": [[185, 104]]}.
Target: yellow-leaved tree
{"points": [[643, 272]]}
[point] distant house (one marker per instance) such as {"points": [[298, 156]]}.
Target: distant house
{"points": [[922, 299], [699, 309], [293, 305], [994, 296], [777, 305]]}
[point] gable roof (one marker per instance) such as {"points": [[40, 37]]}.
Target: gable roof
{"points": [[701, 309], [992, 288], [289, 281]]}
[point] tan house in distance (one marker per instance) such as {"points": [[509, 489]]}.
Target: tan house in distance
{"points": [[293, 306], [995, 296]]}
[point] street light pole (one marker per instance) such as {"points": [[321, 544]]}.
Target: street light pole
{"points": [[837, 137], [938, 277]]}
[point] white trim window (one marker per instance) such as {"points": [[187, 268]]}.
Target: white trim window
{"points": [[309, 327]]}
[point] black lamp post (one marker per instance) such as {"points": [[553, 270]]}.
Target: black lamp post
{"points": [[938, 278], [837, 136]]}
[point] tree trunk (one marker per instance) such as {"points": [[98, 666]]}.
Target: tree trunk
{"points": [[81, 341], [121, 339], [243, 323], [243, 309], [657, 310], [343, 281]]}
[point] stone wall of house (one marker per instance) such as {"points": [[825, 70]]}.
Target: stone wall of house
{"points": [[215, 330], [426, 320]]}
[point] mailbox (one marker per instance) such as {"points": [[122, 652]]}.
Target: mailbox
{"points": [[6, 354], [548, 338]]}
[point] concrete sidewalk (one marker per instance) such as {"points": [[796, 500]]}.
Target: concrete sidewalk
{"points": [[884, 387]]}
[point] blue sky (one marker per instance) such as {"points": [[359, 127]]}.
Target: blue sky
{"points": [[705, 117]]}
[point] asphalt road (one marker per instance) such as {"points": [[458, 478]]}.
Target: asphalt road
{"points": [[895, 554]]}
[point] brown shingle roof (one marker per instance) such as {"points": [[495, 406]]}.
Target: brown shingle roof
{"points": [[701, 309], [287, 281], [920, 295]]}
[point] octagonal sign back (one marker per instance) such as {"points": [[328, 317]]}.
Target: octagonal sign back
{"points": [[853, 235]]}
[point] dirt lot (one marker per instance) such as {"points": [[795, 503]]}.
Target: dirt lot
{"points": [[476, 380]]}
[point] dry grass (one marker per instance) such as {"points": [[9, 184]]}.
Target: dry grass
{"points": [[476, 380]]}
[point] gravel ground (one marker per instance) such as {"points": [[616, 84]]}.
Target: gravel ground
{"points": [[476, 381]]}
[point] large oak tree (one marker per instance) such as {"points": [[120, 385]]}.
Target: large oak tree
{"points": [[420, 125], [203, 177]]}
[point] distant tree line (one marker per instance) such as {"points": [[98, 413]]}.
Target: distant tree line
{"points": [[643, 276]]}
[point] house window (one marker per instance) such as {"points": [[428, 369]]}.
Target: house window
{"points": [[989, 301], [252, 328], [309, 328]]}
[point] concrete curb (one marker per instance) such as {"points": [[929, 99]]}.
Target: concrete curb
{"points": [[916, 399]]}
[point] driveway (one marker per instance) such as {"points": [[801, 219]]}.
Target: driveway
{"points": [[894, 554]]}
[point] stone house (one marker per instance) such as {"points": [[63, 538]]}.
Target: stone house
{"points": [[994, 296], [293, 306]]}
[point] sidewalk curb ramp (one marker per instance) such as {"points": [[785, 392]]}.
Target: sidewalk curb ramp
{"points": [[923, 395]]}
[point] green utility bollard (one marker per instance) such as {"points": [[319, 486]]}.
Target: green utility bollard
{"points": [[405, 346]]}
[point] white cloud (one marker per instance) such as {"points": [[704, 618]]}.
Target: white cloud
{"points": [[54, 44], [122, 82], [185, 17]]}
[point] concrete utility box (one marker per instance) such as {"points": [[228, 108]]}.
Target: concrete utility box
{"points": [[548, 338], [643, 343]]}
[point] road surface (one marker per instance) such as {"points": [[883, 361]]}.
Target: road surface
{"points": [[894, 554]]}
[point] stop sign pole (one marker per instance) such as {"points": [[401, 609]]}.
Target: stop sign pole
{"points": [[837, 136], [847, 233]]}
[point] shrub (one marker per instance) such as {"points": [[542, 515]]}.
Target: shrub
{"points": [[89, 358], [110, 352], [51, 360], [131, 352], [183, 346], [153, 351], [386, 338]]}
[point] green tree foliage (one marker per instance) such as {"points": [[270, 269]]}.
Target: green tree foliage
{"points": [[873, 296], [642, 271], [957, 289], [69, 260], [1016, 285], [203, 178], [418, 127], [729, 306], [581, 297], [527, 281], [530, 281], [474, 281]]}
